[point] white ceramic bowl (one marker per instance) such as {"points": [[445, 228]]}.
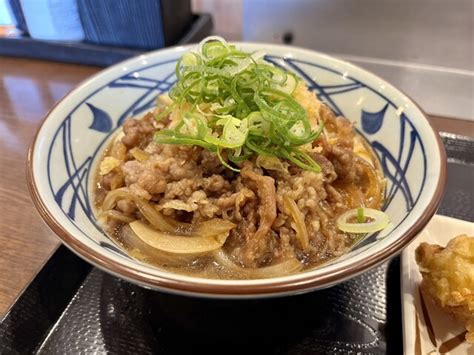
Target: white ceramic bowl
{"points": [[75, 132]]}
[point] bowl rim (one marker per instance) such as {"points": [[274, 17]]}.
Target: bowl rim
{"points": [[171, 284]]}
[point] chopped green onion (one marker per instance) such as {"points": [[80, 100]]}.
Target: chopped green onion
{"points": [[378, 221], [239, 102], [301, 159], [223, 162], [360, 215]]}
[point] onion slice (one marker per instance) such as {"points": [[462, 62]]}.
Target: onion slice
{"points": [[114, 214], [215, 226], [298, 219], [177, 244], [286, 267], [379, 220], [142, 251]]}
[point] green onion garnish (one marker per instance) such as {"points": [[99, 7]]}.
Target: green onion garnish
{"points": [[360, 215], [378, 220], [229, 100]]}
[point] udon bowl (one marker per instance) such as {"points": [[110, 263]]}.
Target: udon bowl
{"points": [[74, 134]]}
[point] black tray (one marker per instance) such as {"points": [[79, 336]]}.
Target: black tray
{"points": [[73, 308], [91, 54]]}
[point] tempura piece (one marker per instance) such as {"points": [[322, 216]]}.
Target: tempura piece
{"points": [[448, 278]]}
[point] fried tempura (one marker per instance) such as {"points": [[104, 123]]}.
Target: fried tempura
{"points": [[448, 278]]}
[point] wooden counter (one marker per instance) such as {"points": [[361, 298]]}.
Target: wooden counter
{"points": [[28, 89]]}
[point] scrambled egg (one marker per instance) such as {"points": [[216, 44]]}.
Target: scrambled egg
{"points": [[310, 103], [108, 164], [448, 277]]}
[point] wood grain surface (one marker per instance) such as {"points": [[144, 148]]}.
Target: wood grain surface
{"points": [[28, 89]]}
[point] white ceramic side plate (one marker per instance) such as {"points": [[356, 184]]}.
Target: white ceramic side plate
{"points": [[426, 328]]}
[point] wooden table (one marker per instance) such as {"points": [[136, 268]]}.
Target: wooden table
{"points": [[28, 88]]}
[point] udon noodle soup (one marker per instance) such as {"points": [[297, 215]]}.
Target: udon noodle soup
{"points": [[240, 172]]}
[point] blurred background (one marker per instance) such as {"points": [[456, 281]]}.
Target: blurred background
{"points": [[425, 47]]}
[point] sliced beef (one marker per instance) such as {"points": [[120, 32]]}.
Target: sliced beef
{"points": [[258, 243]]}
